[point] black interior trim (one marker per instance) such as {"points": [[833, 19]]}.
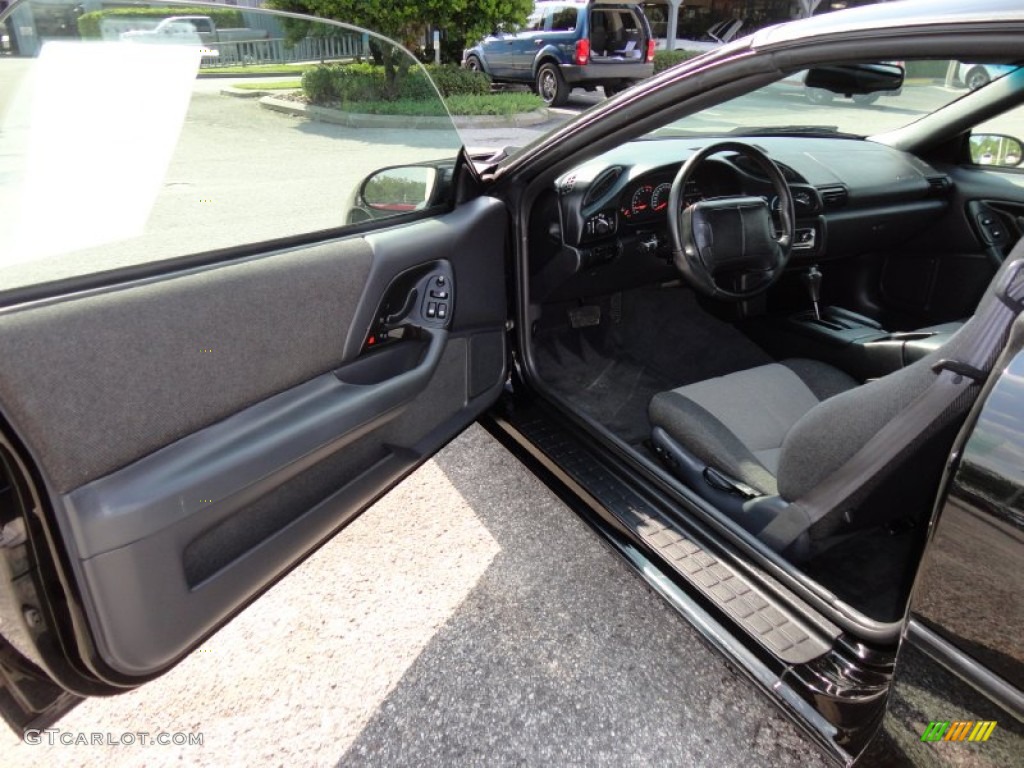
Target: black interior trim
{"points": [[159, 551], [255, 449]]}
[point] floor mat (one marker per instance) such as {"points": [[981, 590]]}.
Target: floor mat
{"points": [[664, 340]]}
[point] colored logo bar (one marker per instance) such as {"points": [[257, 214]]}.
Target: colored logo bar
{"points": [[958, 730]]}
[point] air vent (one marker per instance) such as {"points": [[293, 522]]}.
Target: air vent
{"points": [[834, 197], [940, 185], [602, 185], [568, 185]]}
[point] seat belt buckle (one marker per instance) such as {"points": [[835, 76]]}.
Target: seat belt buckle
{"points": [[976, 375]]}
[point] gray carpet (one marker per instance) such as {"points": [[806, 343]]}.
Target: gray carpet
{"points": [[663, 340]]}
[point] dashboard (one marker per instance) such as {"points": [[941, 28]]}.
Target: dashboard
{"points": [[605, 222]]}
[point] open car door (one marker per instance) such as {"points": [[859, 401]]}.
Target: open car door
{"points": [[223, 333]]}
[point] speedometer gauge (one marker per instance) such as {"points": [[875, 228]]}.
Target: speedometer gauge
{"points": [[641, 202], [659, 200]]}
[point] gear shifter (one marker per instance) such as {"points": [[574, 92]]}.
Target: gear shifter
{"points": [[812, 281]]}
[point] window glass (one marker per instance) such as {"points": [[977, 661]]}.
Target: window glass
{"points": [[535, 23], [117, 146], [789, 106], [563, 19]]}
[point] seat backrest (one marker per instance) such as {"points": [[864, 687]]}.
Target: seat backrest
{"points": [[830, 434]]}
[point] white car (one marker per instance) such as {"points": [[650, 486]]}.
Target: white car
{"points": [[177, 31], [974, 76]]}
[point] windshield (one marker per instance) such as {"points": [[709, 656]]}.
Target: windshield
{"points": [[790, 106]]}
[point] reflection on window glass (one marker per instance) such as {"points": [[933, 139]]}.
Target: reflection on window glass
{"points": [[564, 20], [999, 141], [117, 147]]}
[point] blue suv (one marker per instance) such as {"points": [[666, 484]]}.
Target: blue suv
{"points": [[565, 45]]}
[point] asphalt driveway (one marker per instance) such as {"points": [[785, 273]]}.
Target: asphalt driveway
{"points": [[468, 618]]}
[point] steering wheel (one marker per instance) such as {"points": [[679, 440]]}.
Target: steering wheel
{"points": [[732, 236]]}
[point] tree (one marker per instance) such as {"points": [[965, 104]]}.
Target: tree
{"points": [[404, 21]]}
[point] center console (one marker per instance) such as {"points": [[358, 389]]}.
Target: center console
{"points": [[858, 344], [850, 341]]}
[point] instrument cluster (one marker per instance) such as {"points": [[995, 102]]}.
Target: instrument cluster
{"points": [[647, 199]]}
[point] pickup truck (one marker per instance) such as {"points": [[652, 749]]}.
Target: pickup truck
{"points": [[193, 28]]}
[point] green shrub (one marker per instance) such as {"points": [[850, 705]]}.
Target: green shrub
{"points": [[465, 104], [362, 88], [350, 85], [452, 80], [365, 82], [363, 67], [665, 59], [318, 84], [89, 23]]}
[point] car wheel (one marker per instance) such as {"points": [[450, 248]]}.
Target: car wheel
{"points": [[976, 78], [551, 86], [473, 64], [611, 90], [818, 95], [865, 98]]}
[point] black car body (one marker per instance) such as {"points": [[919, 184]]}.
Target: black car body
{"points": [[540, 291], [567, 45]]}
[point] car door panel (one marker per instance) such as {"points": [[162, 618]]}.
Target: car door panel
{"points": [[176, 355], [943, 277], [495, 54], [940, 272], [199, 433]]}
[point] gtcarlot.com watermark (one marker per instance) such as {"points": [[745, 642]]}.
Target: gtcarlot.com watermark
{"points": [[55, 736]]}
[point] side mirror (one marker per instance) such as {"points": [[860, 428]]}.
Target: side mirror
{"points": [[856, 79], [399, 189], [996, 149]]}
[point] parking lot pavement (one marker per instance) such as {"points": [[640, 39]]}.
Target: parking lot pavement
{"points": [[468, 618]]}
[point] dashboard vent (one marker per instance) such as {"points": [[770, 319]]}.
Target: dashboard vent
{"points": [[568, 185], [940, 185], [834, 197], [602, 184]]}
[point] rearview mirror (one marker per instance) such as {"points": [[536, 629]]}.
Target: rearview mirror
{"points": [[856, 79], [996, 149], [399, 189]]}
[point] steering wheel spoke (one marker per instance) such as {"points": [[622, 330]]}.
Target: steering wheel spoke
{"points": [[732, 234]]}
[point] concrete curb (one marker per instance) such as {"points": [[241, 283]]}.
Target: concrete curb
{"points": [[357, 120], [243, 93], [208, 75]]}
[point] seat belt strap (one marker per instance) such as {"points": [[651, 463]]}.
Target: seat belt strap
{"points": [[949, 395]]}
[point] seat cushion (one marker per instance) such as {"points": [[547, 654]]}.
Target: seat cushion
{"points": [[737, 423]]}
